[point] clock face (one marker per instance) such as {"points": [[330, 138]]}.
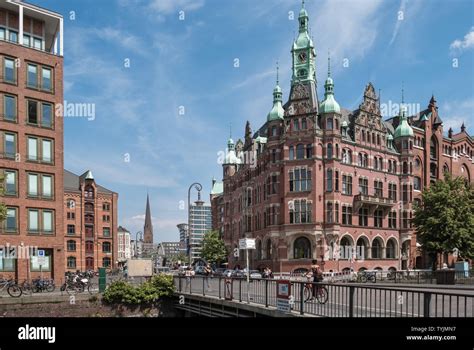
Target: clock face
{"points": [[302, 57]]}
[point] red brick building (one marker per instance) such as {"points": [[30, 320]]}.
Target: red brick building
{"points": [[317, 181], [90, 224], [31, 133]]}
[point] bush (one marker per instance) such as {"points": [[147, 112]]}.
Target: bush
{"points": [[121, 292]]}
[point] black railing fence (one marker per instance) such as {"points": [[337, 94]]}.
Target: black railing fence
{"points": [[343, 299]]}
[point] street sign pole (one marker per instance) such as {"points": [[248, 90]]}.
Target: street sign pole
{"points": [[248, 277]]}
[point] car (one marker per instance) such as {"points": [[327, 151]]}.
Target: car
{"points": [[255, 274], [219, 272], [228, 273]]}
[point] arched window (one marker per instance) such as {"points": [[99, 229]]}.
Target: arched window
{"points": [[329, 180], [71, 262], [391, 251], [300, 151], [89, 192], [363, 135], [268, 249], [360, 159], [302, 248], [345, 249], [329, 151], [362, 248], [377, 246], [71, 204], [434, 148], [337, 151]]}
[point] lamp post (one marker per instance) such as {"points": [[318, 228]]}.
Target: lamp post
{"points": [[136, 242], [198, 188]]}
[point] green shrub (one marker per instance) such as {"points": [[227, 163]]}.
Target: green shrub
{"points": [[121, 292]]}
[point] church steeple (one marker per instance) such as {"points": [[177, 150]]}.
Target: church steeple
{"points": [[148, 228]]}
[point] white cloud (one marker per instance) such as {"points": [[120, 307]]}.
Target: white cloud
{"points": [[457, 112], [400, 19], [167, 7], [457, 46]]}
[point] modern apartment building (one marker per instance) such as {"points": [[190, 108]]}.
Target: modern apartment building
{"points": [[31, 138], [200, 223]]}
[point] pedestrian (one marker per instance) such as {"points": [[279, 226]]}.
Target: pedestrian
{"points": [[207, 274]]}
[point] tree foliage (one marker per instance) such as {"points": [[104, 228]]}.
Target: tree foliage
{"points": [[213, 248], [444, 221]]}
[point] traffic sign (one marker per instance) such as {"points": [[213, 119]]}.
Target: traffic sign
{"points": [[41, 257], [246, 243]]}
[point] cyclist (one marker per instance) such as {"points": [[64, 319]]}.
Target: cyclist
{"points": [[316, 274]]}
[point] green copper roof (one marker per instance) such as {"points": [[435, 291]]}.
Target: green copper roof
{"points": [[389, 137], [329, 105], [403, 129], [217, 188], [277, 111]]}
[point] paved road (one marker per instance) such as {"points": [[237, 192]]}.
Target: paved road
{"points": [[369, 300]]}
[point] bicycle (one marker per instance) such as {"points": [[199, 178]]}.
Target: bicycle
{"points": [[322, 293], [13, 289], [364, 277]]}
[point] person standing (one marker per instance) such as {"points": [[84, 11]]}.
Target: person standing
{"points": [[207, 274]]}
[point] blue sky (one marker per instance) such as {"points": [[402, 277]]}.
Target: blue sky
{"points": [[190, 63]]}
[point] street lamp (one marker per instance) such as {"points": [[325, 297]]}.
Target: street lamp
{"points": [[198, 188], [136, 242]]}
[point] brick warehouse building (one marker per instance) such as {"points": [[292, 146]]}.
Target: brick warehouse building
{"points": [[31, 147], [330, 183], [90, 213]]}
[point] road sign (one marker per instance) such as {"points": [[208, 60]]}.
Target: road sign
{"points": [[247, 243], [283, 295], [41, 257]]}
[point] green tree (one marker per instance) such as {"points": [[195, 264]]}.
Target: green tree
{"points": [[179, 257], [213, 248], [444, 220], [3, 208]]}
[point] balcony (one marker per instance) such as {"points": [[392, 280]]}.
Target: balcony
{"points": [[362, 199], [45, 28]]}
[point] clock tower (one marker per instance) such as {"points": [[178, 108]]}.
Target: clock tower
{"points": [[303, 53], [303, 97]]}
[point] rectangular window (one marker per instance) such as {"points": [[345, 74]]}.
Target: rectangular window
{"points": [[378, 218], [32, 149], [32, 112], [47, 221], [405, 193], [47, 190], [33, 185], [26, 40], [10, 183], [32, 76], [9, 71], [71, 229], [47, 151], [392, 192], [347, 185], [46, 266], [71, 216], [392, 219], [38, 43], [363, 217], [11, 221], [46, 115], [106, 232], [46, 79], [346, 215], [378, 189], [2, 34], [7, 263], [13, 36], [10, 145], [33, 220], [363, 186], [9, 108]]}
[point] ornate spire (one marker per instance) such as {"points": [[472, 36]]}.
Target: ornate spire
{"points": [[277, 111], [463, 127], [329, 105], [148, 228]]}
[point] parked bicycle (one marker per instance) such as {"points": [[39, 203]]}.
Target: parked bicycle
{"points": [[41, 285], [13, 289], [321, 292], [366, 276], [77, 283]]}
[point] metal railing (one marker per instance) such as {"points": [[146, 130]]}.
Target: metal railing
{"points": [[344, 300]]}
